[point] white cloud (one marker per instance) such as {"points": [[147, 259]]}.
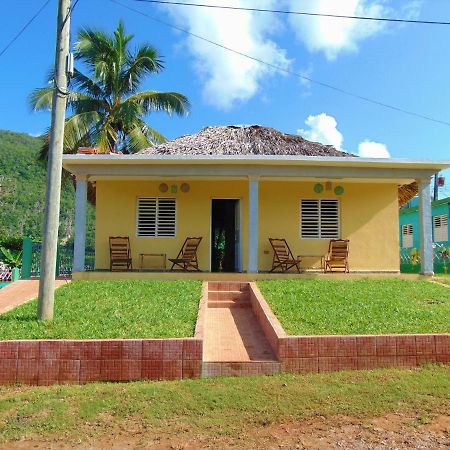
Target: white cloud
{"points": [[333, 35], [230, 78], [323, 128], [370, 149]]}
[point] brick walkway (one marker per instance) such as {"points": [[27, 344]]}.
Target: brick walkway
{"points": [[20, 292], [232, 331]]}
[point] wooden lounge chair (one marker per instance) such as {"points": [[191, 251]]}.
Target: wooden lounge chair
{"points": [[283, 259], [120, 253], [187, 257], [337, 256]]}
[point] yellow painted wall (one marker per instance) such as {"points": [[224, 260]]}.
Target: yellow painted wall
{"points": [[116, 216], [368, 214], [369, 218]]}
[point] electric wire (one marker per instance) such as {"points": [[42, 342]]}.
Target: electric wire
{"points": [[288, 71], [22, 30], [298, 13]]}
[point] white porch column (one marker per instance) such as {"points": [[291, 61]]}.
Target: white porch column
{"points": [[426, 238], [253, 223], [80, 224]]}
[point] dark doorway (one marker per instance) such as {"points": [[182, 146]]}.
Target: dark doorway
{"points": [[225, 235]]}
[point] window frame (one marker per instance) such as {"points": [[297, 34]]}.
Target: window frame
{"points": [[156, 236], [319, 237]]}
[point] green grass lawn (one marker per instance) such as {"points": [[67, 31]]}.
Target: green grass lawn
{"points": [[110, 309], [215, 407], [365, 306]]}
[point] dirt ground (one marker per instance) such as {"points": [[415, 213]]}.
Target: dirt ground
{"points": [[391, 431]]}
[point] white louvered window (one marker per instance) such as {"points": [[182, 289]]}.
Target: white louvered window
{"points": [[319, 219], [156, 217], [440, 228], [407, 235]]}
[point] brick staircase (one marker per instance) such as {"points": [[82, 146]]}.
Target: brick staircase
{"points": [[234, 342]]}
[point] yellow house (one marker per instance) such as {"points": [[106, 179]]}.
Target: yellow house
{"points": [[236, 187]]}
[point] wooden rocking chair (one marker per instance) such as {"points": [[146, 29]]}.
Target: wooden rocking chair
{"points": [[187, 257], [337, 256], [283, 259], [120, 253]]}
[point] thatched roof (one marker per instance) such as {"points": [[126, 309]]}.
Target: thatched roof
{"points": [[242, 140], [254, 140]]}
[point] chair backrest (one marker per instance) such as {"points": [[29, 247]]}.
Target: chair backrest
{"points": [[338, 248], [189, 249], [119, 247], [281, 249]]}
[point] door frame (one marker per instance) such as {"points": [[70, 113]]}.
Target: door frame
{"points": [[239, 259]]}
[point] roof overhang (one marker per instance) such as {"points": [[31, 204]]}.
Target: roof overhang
{"points": [[114, 166]]}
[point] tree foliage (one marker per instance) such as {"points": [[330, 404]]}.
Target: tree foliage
{"points": [[107, 104]]}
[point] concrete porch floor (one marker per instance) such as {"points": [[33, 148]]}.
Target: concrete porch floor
{"points": [[243, 277]]}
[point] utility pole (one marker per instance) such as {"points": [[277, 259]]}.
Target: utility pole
{"points": [[54, 166]]}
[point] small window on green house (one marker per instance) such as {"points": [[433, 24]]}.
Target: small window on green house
{"points": [[440, 228], [407, 235]]}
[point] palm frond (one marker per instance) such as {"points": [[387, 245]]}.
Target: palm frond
{"points": [[144, 61], [169, 102]]}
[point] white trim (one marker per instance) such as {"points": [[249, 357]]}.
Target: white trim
{"points": [[273, 159]]}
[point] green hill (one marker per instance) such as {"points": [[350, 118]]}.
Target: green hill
{"points": [[22, 191]]}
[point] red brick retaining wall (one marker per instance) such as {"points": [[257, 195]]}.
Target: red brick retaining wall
{"points": [[329, 353], [44, 362]]}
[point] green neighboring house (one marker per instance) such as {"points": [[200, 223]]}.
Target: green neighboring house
{"points": [[410, 236]]}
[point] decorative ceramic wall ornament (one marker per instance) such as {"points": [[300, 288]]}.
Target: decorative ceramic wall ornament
{"points": [[328, 185], [163, 187], [185, 187], [338, 190], [318, 188], [174, 189]]}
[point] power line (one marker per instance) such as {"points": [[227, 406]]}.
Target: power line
{"points": [[22, 30], [297, 13], [290, 72]]}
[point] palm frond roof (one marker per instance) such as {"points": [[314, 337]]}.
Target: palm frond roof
{"points": [[255, 140], [242, 140]]}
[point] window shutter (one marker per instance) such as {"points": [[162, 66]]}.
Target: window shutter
{"points": [[166, 217], [319, 219], [440, 225], [310, 219], [329, 219], [146, 217], [156, 217]]}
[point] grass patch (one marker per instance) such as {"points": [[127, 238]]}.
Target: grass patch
{"points": [[442, 278], [365, 306], [220, 406], [110, 309]]}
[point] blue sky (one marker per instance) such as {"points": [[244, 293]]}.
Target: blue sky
{"points": [[403, 65]]}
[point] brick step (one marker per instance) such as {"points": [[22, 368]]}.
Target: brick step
{"points": [[228, 286], [229, 304], [228, 295], [240, 368]]}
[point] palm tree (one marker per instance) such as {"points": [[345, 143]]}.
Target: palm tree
{"points": [[108, 109]]}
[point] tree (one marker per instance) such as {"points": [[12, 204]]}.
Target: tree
{"points": [[108, 108]]}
